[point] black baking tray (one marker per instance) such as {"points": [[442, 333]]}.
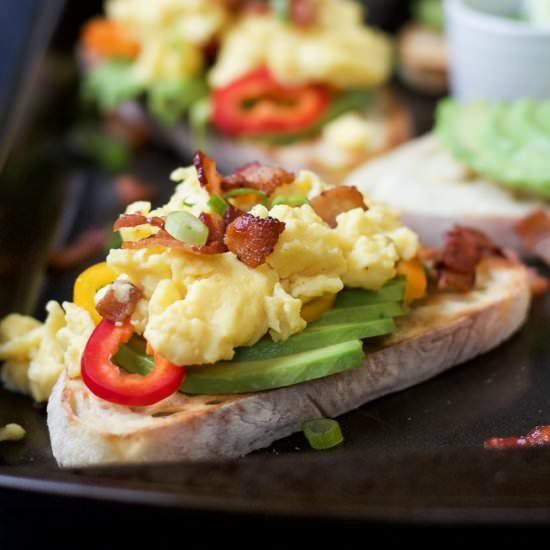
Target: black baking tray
{"points": [[414, 458]]}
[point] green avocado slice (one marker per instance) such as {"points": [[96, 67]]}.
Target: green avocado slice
{"points": [[363, 314], [392, 291], [314, 338], [252, 376], [508, 142]]}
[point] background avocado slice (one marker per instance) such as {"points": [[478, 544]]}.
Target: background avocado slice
{"points": [[508, 142]]}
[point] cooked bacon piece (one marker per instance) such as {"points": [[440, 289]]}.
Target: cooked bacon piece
{"points": [[133, 220], [216, 228], [329, 204], [231, 214], [119, 302], [252, 239], [258, 176], [303, 13], [87, 244], [164, 239], [457, 263], [534, 231], [537, 437], [208, 174]]}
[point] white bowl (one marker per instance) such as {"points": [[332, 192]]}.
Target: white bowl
{"points": [[494, 56]]}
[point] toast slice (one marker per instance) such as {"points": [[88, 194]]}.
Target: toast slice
{"points": [[389, 120], [442, 331], [433, 191]]}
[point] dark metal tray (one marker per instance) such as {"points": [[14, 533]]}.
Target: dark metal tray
{"points": [[415, 457]]}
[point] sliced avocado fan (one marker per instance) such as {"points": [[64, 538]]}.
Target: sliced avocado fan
{"points": [[330, 345], [508, 142]]}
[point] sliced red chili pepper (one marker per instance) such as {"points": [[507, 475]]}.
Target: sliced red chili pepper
{"points": [[104, 379], [256, 104]]}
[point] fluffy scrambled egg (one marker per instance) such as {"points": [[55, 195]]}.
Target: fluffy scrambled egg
{"points": [[35, 354], [196, 309], [338, 49], [171, 34]]}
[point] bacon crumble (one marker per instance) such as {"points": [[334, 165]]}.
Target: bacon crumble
{"points": [[252, 239], [537, 437], [208, 174], [119, 302], [456, 266], [333, 202], [258, 176]]}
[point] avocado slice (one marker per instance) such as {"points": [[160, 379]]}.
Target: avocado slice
{"points": [[392, 291], [234, 377], [508, 142], [366, 313], [314, 338]]}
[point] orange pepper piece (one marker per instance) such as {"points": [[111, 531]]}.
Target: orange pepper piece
{"points": [[417, 281], [107, 39]]}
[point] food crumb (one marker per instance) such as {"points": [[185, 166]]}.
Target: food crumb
{"points": [[12, 432]]}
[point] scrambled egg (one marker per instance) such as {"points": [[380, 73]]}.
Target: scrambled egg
{"points": [[338, 50], [35, 354], [171, 34], [196, 309]]}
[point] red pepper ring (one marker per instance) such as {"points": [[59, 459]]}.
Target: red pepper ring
{"points": [[104, 379]]}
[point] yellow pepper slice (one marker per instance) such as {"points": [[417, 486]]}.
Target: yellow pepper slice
{"points": [[88, 283], [417, 282], [314, 309]]}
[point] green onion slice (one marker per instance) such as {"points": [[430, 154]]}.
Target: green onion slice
{"points": [[291, 200], [217, 205], [186, 227], [246, 191], [322, 433]]}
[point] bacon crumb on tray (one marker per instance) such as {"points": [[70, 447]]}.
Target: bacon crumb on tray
{"points": [[252, 239], [86, 245], [333, 202], [537, 437]]}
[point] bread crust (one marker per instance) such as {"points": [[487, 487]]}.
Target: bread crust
{"points": [[443, 331]]}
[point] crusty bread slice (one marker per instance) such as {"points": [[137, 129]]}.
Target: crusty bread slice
{"points": [[423, 58], [433, 191], [389, 119], [443, 331]]}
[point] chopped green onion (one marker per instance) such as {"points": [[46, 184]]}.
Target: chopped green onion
{"points": [[186, 227], [217, 205], [281, 8], [188, 204], [322, 433], [291, 200], [246, 191]]}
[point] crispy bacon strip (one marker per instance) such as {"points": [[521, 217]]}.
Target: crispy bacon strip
{"points": [[216, 228], [464, 247], [534, 231], [119, 302], [231, 214], [208, 174], [164, 239], [133, 220], [329, 204], [537, 437], [258, 176], [252, 239]]}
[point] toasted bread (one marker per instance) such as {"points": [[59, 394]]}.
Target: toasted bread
{"points": [[442, 331], [389, 119], [433, 191], [423, 58]]}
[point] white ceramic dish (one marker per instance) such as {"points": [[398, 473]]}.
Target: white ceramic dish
{"points": [[493, 55]]}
